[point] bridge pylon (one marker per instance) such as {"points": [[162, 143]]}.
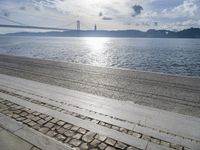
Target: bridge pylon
{"points": [[78, 25]]}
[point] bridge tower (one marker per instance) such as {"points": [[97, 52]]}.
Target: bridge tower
{"points": [[95, 27], [78, 25]]}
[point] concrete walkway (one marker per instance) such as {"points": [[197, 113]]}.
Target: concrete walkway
{"points": [[168, 92], [9, 141], [66, 118]]}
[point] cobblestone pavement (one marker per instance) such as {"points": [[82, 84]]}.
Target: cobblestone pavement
{"points": [[54, 118], [62, 131], [71, 134], [167, 92]]}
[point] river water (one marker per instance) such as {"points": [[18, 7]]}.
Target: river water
{"points": [[173, 56]]}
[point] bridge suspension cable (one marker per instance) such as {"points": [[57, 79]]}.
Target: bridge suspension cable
{"points": [[67, 25], [34, 27], [84, 25], [22, 25], [11, 20]]}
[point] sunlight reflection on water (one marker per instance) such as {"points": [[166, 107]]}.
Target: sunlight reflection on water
{"points": [[97, 46], [175, 56]]}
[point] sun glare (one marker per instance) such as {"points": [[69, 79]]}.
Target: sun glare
{"points": [[97, 47], [96, 44]]}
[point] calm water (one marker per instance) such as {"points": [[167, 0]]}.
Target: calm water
{"points": [[175, 56]]}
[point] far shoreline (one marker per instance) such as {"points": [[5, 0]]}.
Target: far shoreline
{"points": [[2, 35], [151, 33]]}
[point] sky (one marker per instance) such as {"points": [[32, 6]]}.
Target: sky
{"points": [[107, 14]]}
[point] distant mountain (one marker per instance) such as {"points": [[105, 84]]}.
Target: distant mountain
{"points": [[187, 33]]}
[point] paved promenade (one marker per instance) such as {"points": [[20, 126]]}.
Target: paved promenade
{"points": [[9, 141], [166, 92], [50, 117]]}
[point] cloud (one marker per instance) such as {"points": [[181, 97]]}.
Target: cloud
{"points": [[6, 13], [120, 14], [22, 8], [107, 18], [188, 8], [137, 10], [112, 9], [145, 24], [37, 8], [100, 14], [46, 3]]}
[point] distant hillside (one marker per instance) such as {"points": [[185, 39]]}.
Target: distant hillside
{"points": [[187, 33]]}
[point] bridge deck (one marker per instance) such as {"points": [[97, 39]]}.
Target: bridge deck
{"points": [[47, 113]]}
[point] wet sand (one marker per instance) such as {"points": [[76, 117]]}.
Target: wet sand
{"points": [[167, 92]]}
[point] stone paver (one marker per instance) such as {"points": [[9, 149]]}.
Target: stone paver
{"points": [[60, 137], [60, 123], [95, 142], [84, 146], [88, 137], [75, 142], [49, 125], [120, 145], [44, 130], [110, 141], [102, 146], [167, 144], [2, 107], [110, 148], [156, 141], [67, 126], [69, 133], [100, 137], [82, 131], [61, 130], [132, 148], [51, 133], [77, 136]]}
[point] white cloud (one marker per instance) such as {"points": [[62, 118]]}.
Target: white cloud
{"points": [[188, 8], [120, 13]]}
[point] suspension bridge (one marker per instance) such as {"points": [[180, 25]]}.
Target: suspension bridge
{"points": [[17, 24], [32, 27]]}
